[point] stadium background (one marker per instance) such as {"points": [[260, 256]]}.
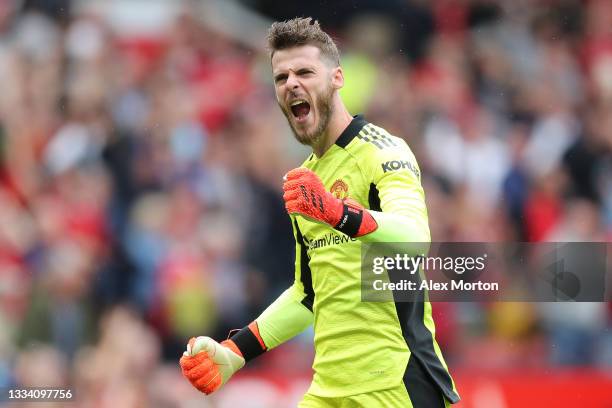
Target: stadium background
{"points": [[141, 156]]}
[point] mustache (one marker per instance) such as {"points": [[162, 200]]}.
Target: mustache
{"points": [[291, 95]]}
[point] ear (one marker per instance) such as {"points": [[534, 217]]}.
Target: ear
{"points": [[337, 77]]}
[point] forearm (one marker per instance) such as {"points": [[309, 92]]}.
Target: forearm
{"points": [[285, 318], [409, 235], [397, 228]]}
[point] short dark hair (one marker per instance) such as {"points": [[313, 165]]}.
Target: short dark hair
{"points": [[302, 31]]}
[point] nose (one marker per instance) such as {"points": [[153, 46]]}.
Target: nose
{"points": [[292, 81]]}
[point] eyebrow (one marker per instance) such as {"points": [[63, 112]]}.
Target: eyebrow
{"points": [[282, 75]]}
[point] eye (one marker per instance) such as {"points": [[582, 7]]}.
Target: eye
{"points": [[280, 78], [305, 72]]}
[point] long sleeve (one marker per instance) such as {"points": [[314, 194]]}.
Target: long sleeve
{"points": [[397, 200], [284, 319], [291, 313]]}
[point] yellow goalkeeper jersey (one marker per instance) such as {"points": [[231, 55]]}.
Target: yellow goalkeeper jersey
{"points": [[362, 346]]}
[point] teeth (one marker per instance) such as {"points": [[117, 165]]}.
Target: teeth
{"points": [[297, 102]]}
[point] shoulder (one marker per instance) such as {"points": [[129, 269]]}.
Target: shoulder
{"points": [[376, 142], [381, 152], [381, 139]]}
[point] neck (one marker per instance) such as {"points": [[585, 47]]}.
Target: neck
{"points": [[339, 120]]}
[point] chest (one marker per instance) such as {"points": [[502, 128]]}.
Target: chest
{"points": [[344, 178]]}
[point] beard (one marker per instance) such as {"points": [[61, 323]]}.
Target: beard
{"points": [[324, 110]]}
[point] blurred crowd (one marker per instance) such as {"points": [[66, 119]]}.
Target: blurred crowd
{"points": [[140, 176]]}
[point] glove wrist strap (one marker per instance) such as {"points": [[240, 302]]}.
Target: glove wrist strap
{"points": [[350, 220], [355, 220], [249, 342]]}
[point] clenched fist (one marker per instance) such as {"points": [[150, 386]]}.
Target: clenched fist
{"points": [[208, 365]]}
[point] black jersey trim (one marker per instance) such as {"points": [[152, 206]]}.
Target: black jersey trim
{"points": [[305, 273], [423, 392], [374, 198], [417, 336], [420, 342], [351, 131]]}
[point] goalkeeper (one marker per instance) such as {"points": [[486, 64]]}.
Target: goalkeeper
{"points": [[360, 184]]}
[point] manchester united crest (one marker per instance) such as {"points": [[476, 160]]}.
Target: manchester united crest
{"points": [[339, 189]]}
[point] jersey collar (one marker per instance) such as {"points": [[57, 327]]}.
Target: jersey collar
{"points": [[351, 131]]}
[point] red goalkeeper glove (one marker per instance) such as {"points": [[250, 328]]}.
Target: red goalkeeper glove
{"points": [[305, 194], [208, 365]]}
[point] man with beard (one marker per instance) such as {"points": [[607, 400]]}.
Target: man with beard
{"points": [[360, 185]]}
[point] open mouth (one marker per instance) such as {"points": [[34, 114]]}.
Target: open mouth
{"points": [[300, 109]]}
